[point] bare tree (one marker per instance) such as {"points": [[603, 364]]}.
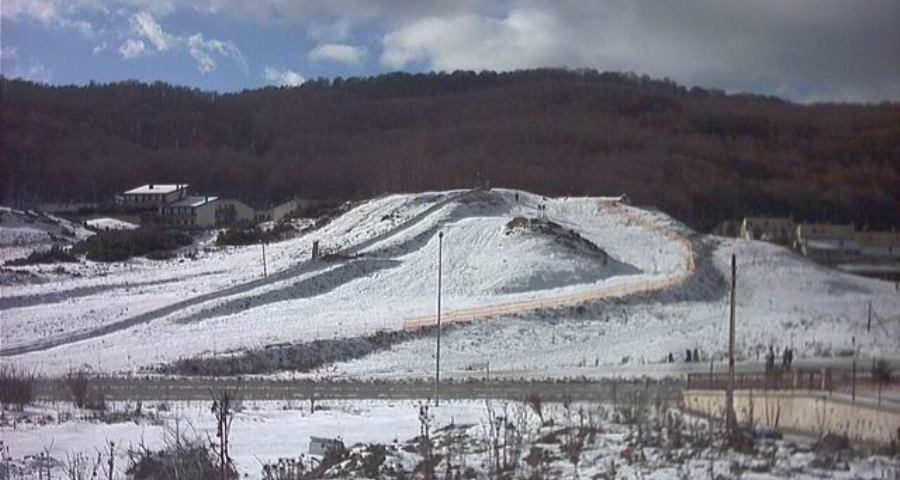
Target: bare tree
{"points": [[223, 408]]}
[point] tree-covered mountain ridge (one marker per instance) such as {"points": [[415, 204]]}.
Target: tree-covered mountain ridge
{"points": [[699, 154]]}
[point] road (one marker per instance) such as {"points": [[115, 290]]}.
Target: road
{"points": [[198, 388]]}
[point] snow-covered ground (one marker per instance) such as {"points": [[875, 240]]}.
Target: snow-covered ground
{"points": [[21, 232], [227, 305], [783, 300], [216, 299], [660, 443]]}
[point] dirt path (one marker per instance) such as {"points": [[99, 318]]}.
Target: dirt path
{"points": [[602, 293]]}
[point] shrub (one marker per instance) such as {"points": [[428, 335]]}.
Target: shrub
{"points": [[119, 245], [882, 371], [247, 234], [16, 387], [180, 459], [83, 396], [53, 255]]}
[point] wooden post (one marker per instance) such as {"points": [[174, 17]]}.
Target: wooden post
{"points": [[869, 321], [265, 273], [437, 367], [729, 392], [853, 380]]}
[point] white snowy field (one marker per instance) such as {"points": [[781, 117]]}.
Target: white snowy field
{"points": [[667, 446], [213, 300]]}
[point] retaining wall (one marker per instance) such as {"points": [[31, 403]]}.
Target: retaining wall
{"points": [[812, 413]]}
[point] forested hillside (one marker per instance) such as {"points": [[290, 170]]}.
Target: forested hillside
{"points": [[700, 155]]}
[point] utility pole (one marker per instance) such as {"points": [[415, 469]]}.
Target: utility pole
{"points": [[437, 369], [869, 321], [265, 273], [730, 420]]}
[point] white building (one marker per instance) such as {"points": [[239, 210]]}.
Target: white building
{"points": [[191, 211], [153, 195], [274, 213]]}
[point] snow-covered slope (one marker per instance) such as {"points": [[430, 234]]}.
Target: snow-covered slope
{"points": [[21, 232], [148, 311], [783, 301], [380, 272]]}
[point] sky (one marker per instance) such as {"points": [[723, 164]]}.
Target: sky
{"points": [[801, 50]]}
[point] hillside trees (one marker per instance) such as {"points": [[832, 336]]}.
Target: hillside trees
{"points": [[698, 154]]}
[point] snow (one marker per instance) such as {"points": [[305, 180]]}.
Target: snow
{"points": [[22, 231], [106, 223], [156, 188], [193, 201], [783, 300], [216, 299], [263, 432]]}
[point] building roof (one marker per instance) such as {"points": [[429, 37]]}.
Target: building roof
{"points": [[193, 201], [157, 188]]}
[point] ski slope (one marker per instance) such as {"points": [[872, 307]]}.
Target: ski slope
{"points": [[640, 294], [123, 316]]}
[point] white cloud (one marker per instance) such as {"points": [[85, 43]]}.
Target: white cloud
{"points": [[99, 48], [203, 51], [34, 71], [149, 36], [524, 38], [46, 12], [12, 66], [9, 54], [283, 77], [337, 52], [828, 49], [145, 26], [132, 49], [801, 49]]}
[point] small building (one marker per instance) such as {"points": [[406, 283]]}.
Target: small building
{"points": [[191, 211], [230, 211], [276, 212], [322, 446], [153, 195], [773, 229]]}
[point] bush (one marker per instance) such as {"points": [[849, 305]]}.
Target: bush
{"points": [[246, 234], [181, 459], [302, 356], [53, 255], [83, 396], [16, 387], [120, 245]]}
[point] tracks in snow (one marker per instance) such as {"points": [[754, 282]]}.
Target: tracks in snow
{"points": [[286, 274]]}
